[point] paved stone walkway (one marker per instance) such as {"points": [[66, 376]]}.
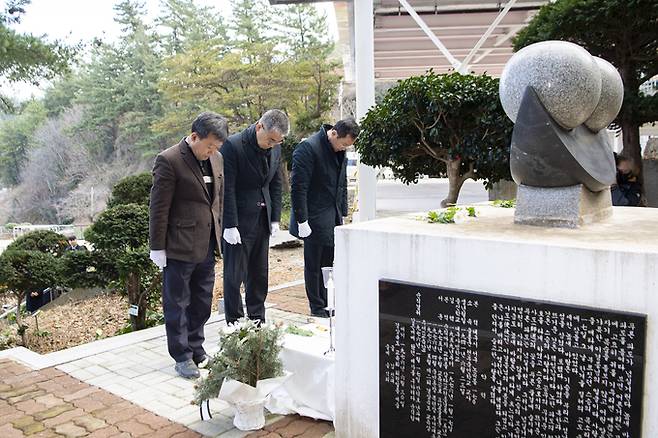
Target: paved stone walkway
{"points": [[49, 403], [295, 426], [116, 384]]}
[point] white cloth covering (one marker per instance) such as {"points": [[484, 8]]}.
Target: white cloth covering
{"points": [[310, 389]]}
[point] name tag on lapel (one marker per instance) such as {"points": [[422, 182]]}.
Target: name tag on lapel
{"points": [[207, 179]]}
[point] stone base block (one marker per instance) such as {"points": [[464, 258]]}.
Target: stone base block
{"points": [[562, 207]]}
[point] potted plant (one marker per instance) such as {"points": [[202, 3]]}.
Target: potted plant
{"points": [[244, 371]]}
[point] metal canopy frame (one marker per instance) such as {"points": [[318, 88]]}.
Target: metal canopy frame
{"points": [[395, 39], [471, 36]]}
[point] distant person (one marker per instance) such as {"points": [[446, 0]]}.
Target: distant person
{"points": [[252, 210], [319, 201], [74, 245], [185, 223], [35, 300], [627, 192]]}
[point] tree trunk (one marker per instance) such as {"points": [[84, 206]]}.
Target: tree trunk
{"points": [[285, 178], [629, 127], [631, 141], [133, 288], [455, 182], [19, 320], [633, 151]]}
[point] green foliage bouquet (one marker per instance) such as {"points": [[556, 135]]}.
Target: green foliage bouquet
{"points": [[452, 215], [245, 371], [248, 353]]}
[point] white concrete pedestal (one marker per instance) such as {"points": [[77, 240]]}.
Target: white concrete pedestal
{"points": [[610, 265]]}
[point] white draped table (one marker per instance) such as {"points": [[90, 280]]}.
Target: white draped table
{"points": [[310, 389]]}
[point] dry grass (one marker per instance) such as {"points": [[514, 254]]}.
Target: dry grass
{"points": [[77, 321]]}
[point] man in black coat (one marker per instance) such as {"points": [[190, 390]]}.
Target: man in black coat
{"points": [[319, 201], [252, 210]]}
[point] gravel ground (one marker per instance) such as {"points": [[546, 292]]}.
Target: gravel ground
{"points": [[285, 265]]}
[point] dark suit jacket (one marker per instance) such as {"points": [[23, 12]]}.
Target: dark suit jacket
{"points": [[181, 211], [319, 188], [245, 184]]}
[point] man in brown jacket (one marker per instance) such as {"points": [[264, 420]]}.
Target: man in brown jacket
{"points": [[185, 231]]}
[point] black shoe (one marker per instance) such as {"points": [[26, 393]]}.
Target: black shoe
{"points": [[187, 369], [320, 313], [201, 361]]}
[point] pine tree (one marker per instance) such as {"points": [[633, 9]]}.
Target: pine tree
{"points": [[307, 36], [188, 27], [119, 88]]}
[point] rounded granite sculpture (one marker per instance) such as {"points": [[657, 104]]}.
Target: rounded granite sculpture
{"points": [[612, 95], [565, 77], [560, 99]]}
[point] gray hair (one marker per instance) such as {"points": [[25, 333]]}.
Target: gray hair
{"points": [[275, 119], [210, 123]]}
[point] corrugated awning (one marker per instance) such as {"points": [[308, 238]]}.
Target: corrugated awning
{"points": [[403, 49]]}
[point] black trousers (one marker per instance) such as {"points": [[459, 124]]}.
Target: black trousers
{"points": [[316, 257], [248, 263], [186, 301]]}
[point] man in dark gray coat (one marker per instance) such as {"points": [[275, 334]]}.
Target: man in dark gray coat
{"points": [[185, 214], [252, 210], [319, 201]]}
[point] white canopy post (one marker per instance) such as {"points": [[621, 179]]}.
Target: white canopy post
{"points": [[364, 44]]}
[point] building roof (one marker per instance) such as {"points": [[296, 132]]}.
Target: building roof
{"points": [[402, 48]]}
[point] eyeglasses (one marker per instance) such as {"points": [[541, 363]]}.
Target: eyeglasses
{"points": [[273, 142]]}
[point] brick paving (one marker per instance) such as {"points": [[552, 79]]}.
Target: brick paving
{"points": [[293, 426], [50, 403], [133, 390]]}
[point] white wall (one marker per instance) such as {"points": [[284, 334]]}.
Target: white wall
{"points": [[611, 265]]}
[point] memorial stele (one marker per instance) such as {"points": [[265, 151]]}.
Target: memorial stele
{"points": [[536, 321]]}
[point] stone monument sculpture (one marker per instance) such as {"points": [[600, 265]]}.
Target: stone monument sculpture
{"points": [[561, 99]]}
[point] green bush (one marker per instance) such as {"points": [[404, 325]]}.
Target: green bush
{"points": [[134, 189], [450, 125], [120, 234], [87, 269], [120, 228], [22, 272], [288, 145], [28, 271], [7, 338], [285, 211], [42, 240]]}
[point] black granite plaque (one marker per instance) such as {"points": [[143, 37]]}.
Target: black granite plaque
{"points": [[459, 364]]}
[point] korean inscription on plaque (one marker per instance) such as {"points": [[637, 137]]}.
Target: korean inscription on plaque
{"points": [[463, 364]]}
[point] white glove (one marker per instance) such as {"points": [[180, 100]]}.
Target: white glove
{"points": [[275, 228], [304, 229], [159, 257], [232, 236]]}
